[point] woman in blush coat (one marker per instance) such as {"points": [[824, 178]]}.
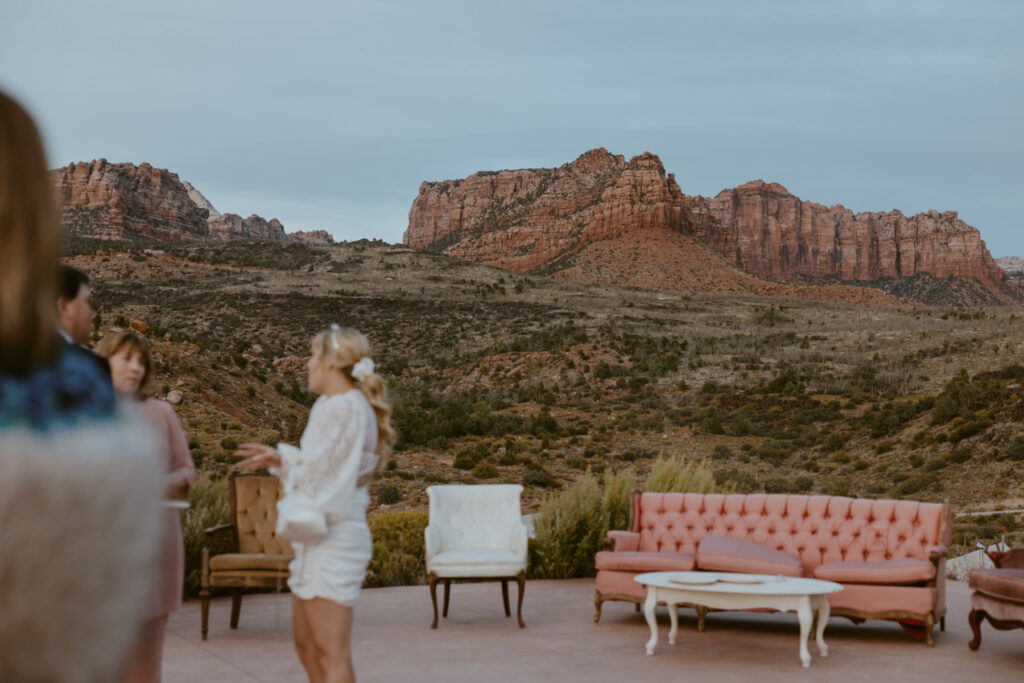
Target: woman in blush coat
{"points": [[130, 370]]}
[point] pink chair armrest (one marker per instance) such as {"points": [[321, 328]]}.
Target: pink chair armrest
{"points": [[937, 551], [627, 541]]}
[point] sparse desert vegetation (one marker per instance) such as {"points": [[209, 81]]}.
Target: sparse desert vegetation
{"points": [[498, 377]]}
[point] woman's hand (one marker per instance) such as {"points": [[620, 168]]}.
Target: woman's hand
{"points": [[176, 486], [257, 455]]}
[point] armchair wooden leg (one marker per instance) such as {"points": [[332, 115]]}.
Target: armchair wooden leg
{"points": [[942, 624], [929, 626], [521, 580], [597, 606], [204, 596], [447, 591], [974, 619], [432, 579], [236, 606], [636, 606], [504, 596]]}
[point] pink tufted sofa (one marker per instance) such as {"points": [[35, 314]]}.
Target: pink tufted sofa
{"points": [[889, 555]]}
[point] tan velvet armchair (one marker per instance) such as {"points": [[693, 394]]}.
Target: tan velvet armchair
{"points": [[245, 553]]}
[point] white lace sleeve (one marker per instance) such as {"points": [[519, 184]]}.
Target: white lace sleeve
{"points": [[326, 467]]}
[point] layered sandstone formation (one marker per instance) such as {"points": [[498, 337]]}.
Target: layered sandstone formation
{"points": [[319, 237], [230, 226], [520, 220], [1012, 265], [768, 232], [124, 201], [537, 220]]}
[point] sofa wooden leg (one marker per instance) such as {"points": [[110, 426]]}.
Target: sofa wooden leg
{"points": [[204, 596], [432, 580], [447, 592], [974, 619], [504, 597], [636, 606], [929, 627], [236, 607], [942, 624], [521, 580], [597, 606], [702, 612]]}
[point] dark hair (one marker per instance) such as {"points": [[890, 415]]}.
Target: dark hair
{"points": [[69, 281]]}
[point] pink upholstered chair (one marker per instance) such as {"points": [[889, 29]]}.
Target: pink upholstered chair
{"points": [[998, 594]]}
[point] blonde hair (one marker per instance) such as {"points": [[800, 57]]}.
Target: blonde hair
{"points": [[343, 347], [114, 342], [28, 233]]}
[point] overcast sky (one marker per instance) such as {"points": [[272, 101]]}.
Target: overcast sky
{"points": [[328, 114]]}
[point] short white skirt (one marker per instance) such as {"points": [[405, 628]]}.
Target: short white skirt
{"points": [[334, 567]]}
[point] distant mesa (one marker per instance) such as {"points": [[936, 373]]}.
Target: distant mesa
{"points": [[128, 202], [1013, 265], [555, 221]]}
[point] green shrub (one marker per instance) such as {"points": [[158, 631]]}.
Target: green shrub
{"points": [[538, 477], [210, 506], [399, 550], [386, 493], [679, 474], [568, 531], [485, 470]]}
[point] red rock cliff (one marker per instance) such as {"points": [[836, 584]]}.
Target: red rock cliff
{"points": [[526, 219], [768, 232], [523, 219], [123, 201], [231, 226]]}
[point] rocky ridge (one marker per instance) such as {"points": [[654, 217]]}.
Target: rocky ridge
{"points": [[536, 220], [1013, 265], [124, 202]]}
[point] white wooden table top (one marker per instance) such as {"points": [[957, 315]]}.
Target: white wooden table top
{"points": [[725, 582]]}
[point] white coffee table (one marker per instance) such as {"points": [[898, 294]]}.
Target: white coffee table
{"points": [[806, 597]]}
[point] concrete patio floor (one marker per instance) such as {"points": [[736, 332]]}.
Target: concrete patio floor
{"points": [[392, 641]]}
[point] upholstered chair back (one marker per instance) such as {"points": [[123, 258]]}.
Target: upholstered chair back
{"points": [[817, 529], [254, 510], [484, 516]]}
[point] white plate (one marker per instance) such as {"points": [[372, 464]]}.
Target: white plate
{"points": [[693, 578], [740, 578], [177, 504]]}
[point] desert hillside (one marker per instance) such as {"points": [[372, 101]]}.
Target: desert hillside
{"points": [[504, 377]]}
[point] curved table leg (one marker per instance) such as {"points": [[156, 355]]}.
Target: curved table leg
{"points": [[649, 605], [673, 618], [821, 613], [805, 615]]}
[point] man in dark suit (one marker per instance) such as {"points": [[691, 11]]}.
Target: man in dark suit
{"points": [[74, 305]]}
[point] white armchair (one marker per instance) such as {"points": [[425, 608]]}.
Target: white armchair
{"points": [[476, 533]]}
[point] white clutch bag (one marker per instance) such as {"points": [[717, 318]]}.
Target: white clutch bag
{"points": [[298, 521]]}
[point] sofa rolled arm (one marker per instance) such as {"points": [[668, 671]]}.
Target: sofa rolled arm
{"points": [[622, 541], [220, 539]]}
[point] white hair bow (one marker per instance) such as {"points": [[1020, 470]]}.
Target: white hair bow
{"points": [[363, 369]]}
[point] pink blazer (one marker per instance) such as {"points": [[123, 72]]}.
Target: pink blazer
{"points": [[179, 462]]}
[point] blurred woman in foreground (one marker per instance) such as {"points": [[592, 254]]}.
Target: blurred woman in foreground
{"points": [[79, 486]]}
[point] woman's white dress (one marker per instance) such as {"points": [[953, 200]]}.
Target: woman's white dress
{"points": [[337, 446]]}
